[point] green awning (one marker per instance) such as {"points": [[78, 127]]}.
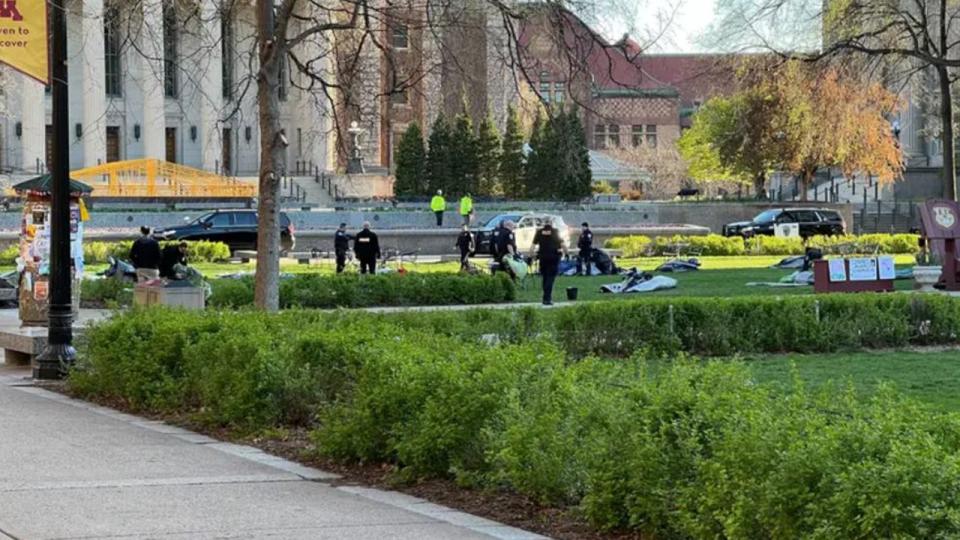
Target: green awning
{"points": [[42, 184]]}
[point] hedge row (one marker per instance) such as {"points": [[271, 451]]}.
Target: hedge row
{"points": [[693, 451], [716, 245], [352, 290], [100, 252]]}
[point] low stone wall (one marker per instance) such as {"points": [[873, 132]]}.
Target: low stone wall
{"points": [[363, 186]]}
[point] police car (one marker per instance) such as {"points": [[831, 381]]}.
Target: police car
{"points": [[527, 225]]}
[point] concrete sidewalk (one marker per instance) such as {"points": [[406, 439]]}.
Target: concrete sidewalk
{"points": [[70, 469]]}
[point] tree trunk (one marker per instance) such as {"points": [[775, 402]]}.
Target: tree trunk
{"points": [[267, 283], [949, 174], [759, 181], [805, 180]]}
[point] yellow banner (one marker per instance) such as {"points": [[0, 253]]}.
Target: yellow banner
{"points": [[23, 37]]}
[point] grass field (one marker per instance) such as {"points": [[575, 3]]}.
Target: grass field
{"points": [[930, 377]]}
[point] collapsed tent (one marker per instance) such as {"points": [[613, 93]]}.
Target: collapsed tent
{"points": [[601, 264], [637, 282], [679, 265]]}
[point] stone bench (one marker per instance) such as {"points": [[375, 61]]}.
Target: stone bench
{"points": [[244, 256], [21, 345]]}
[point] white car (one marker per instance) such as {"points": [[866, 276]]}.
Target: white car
{"points": [[527, 226]]}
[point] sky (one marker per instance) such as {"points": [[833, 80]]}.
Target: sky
{"points": [[693, 17]]}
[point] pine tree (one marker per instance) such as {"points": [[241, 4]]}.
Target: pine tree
{"points": [[511, 170], [438, 156], [568, 145], [463, 156], [537, 163], [488, 158], [411, 163]]}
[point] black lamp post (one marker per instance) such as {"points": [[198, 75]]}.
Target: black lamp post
{"points": [[59, 353]]}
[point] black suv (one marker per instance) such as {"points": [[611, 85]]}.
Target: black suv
{"points": [[235, 228], [812, 221]]}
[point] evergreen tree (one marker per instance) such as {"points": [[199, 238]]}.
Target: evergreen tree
{"points": [[463, 156], [438, 156], [580, 180], [411, 163], [511, 169], [537, 169], [488, 158]]}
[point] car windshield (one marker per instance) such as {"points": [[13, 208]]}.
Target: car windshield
{"points": [[766, 217], [496, 221]]}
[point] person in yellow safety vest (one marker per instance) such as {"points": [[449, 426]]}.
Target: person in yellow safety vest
{"points": [[466, 208], [438, 204]]}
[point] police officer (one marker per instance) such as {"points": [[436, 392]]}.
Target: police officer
{"points": [[465, 245], [506, 245], [341, 244], [585, 244], [367, 248], [549, 255]]}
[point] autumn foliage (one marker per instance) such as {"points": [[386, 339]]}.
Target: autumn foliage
{"points": [[797, 118]]}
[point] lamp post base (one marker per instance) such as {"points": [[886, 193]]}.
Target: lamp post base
{"points": [[53, 362]]}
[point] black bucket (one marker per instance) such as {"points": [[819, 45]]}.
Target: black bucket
{"points": [[572, 293]]}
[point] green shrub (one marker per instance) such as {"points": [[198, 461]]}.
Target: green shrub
{"points": [[332, 291], [200, 251], [107, 292], [683, 450], [716, 245]]}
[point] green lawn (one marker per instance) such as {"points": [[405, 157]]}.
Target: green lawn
{"points": [[931, 377]]}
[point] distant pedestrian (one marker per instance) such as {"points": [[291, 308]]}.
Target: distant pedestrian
{"points": [[439, 205], [341, 244], [585, 244], [367, 248], [145, 256], [466, 208], [465, 244], [549, 254]]}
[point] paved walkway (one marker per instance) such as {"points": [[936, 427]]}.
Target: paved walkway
{"points": [[69, 469]]}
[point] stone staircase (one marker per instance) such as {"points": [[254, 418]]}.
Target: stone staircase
{"points": [[309, 190]]}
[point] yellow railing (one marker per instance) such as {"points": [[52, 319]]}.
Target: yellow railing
{"points": [[153, 178]]}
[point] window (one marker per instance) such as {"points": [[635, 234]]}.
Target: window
{"points": [[171, 36], [220, 220], [111, 51], [558, 92], [613, 135], [282, 83], [640, 134], [398, 37], [545, 91], [806, 216], [600, 136], [245, 219], [227, 53], [398, 90], [652, 135]]}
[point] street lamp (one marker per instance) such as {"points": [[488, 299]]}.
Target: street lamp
{"points": [[59, 353]]}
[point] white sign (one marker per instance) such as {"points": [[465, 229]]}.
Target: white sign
{"points": [[863, 269], [838, 270], [887, 269]]}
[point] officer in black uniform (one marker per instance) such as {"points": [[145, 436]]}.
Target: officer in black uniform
{"points": [[585, 244], [506, 245], [465, 245], [549, 255], [341, 244], [367, 248]]}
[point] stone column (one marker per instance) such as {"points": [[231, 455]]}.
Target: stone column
{"points": [[211, 86], [33, 141], [151, 78], [94, 84]]}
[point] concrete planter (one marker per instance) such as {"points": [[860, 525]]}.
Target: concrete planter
{"points": [[925, 277]]}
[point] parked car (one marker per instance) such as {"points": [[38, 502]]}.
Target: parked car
{"points": [[527, 225], [235, 228], [812, 221]]}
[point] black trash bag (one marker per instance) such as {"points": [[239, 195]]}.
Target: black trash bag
{"points": [[810, 255]]}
